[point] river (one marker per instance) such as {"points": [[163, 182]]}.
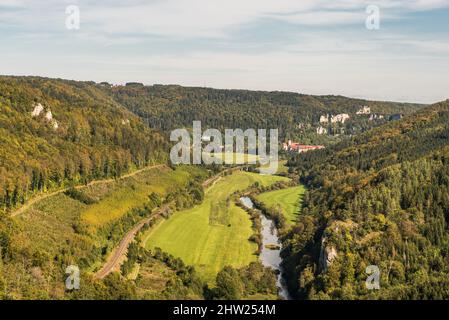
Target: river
{"points": [[269, 257]]}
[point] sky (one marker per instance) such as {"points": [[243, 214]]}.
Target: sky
{"points": [[312, 47]]}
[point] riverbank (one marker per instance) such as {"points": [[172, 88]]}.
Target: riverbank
{"points": [[214, 234], [270, 255]]}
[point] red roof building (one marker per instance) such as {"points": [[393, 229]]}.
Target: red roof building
{"points": [[299, 148]]}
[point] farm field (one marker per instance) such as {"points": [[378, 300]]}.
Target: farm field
{"points": [[281, 164], [205, 244], [243, 156], [288, 199]]}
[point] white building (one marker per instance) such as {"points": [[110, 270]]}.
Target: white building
{"points": [[37, 110]]}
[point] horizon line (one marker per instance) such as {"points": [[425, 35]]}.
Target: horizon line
{"points": [[146, 84]]}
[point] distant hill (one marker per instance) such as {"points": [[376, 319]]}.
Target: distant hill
{"points": [[297, 116], [380, 199], [58, 132]]}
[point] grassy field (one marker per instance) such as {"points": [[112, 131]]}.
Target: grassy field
{"points": [[190, 235], [288, 199], [247, 158], [244, 156], [121, 197]]}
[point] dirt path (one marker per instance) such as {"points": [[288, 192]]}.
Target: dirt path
{"points": [[39, 198], [116, 258]]}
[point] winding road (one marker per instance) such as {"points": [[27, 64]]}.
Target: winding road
{"points": [[115, 259]]}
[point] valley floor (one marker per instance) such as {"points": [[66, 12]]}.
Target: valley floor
{"points": [[209, 245], [289, 200]]}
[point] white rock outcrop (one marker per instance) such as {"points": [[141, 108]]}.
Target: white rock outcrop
{"points": [[37, 110], [364, 110], [376, 117], [49, 116], [324, 119], [327, 255], [341, 118], [320, 130]]}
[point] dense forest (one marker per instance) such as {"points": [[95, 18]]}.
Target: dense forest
{"points": [[297, 116], [379, 199], [56, 133]]}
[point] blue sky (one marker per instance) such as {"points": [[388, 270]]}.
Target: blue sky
{"points": [[307, 46]]}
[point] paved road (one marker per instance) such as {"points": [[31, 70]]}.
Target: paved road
{"points": [[115, 259], [39, 198]]}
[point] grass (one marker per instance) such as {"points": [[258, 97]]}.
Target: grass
{"points": [[153, 277], [133, 192], [220, 213], [190, 236], [244, 156], [282, 168], [289, 200], [48, 226]]}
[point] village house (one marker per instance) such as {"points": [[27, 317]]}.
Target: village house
{"points": [[299, 148]]}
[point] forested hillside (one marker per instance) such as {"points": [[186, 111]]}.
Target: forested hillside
{"points": [[297, 116], [54, 133], [380, 199], [56, 136], [375, 196]]}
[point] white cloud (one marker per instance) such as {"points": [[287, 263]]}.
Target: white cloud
{"points": [[326, 60], [198, 18]]}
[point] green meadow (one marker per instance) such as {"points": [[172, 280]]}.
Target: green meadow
{"points": [[289, 200], [200, 241], [281, 164]]}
